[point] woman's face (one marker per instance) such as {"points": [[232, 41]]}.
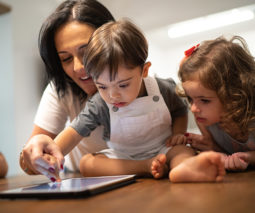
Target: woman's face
{"points": [[71, 40]]}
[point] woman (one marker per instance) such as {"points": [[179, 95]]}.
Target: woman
{"points": [[62, 40]]}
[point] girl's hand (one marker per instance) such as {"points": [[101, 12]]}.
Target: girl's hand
{"points": [[238, 161], [202, 142], [176, 140], [42, 156]]}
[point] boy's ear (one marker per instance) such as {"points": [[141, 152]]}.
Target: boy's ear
{"points": [[146, 67]]}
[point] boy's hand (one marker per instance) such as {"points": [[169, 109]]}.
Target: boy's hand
{"points": [[176, 140], [238, 161]]}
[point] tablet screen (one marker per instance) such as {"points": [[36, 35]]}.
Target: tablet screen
{"points": [[83, 186]]}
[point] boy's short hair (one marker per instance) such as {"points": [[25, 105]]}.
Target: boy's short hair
{"points": [[114, 44]]}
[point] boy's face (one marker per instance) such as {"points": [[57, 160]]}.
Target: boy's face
{"points": [[126, 86], [204, 103]]}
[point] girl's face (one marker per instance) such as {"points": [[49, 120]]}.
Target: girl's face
{"points": [[125, 88], [204, 103], [71, 40]]}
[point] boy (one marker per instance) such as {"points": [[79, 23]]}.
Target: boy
{"points": [[139, 114]]}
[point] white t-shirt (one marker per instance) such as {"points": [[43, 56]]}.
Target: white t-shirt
{"points": [[54, 114]]}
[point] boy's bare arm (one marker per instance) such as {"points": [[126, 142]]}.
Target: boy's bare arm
{"points": [[179, 128], [67, 140], [180, 125]]}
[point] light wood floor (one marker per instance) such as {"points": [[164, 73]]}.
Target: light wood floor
{"points": [[235, 194]]}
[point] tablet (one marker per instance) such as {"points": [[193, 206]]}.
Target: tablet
{"points": [[70, 188]]}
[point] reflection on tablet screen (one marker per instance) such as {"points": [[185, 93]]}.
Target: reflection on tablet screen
{"points": [[73, 184], [73, 187]]}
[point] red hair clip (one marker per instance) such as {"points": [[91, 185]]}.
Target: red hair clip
{"points": [[191, 50]]}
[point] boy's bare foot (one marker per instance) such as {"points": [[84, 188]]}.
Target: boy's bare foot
{"points": [[158, 166], [205, 167]]}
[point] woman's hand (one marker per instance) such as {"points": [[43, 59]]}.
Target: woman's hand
{"points": [[42, 156]]}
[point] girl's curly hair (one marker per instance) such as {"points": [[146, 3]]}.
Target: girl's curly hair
{"points": [[228, 68]]}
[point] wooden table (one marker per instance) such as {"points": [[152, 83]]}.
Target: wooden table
{"points": [[235, 194]]}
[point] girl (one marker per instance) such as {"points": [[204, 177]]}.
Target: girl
{"points": [[218, 79], [62, 40]]}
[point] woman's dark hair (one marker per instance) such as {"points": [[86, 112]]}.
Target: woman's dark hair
{"points": [[90, 12]]}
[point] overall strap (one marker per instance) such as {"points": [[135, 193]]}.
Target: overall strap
{"points": [[151, 85]]}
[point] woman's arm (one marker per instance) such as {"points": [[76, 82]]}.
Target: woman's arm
{"points": [[50, 119], [38, 130]]}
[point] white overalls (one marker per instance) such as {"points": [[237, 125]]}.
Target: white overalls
{"points": [[139, 130]]}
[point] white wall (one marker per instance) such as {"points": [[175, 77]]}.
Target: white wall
{"points": [[21, 73], [7, 121], [166, 54]]}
